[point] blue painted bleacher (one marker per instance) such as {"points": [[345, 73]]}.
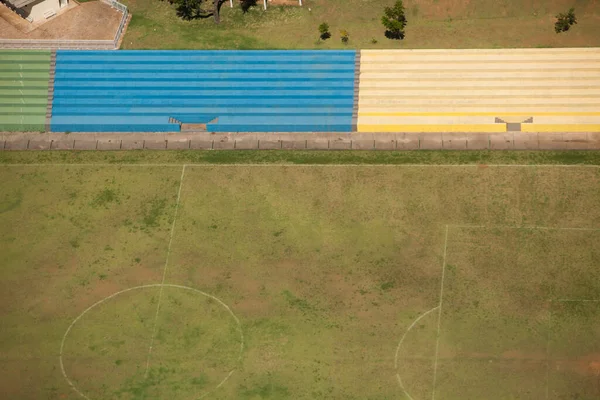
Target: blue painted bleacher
{"points": [[230, 91]]}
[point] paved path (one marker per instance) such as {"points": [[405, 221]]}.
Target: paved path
{"points": [[301, 141]]}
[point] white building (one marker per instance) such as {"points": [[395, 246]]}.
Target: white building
{"points": [[36, 10]]}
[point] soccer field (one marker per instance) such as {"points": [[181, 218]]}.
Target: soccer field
{"points": [[188, 281]]}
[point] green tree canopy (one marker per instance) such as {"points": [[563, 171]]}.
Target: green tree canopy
{"points": [[564, 21], [394, 21]]}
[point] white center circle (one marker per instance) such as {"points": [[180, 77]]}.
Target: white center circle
{"points": [[106, 349]]}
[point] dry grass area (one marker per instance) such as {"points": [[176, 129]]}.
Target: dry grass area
{"points": [[87, 21], [431, 24], [326, 267], [521, 311]]}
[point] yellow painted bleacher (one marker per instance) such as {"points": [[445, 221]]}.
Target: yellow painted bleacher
{"points": [[482, 90]]}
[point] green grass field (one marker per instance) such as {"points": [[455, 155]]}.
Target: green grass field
{"points": [[431, 24], [290, 281]]}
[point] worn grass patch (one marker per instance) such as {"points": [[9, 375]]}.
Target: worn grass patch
{"points": [[503, 321], [68, 239], [325, 268]]}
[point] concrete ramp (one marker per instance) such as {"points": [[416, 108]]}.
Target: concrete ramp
{"points": [[483, 90]]}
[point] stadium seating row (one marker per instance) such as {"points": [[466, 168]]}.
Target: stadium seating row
{"points": [[24, 78], [484, 90], [242, 91]]}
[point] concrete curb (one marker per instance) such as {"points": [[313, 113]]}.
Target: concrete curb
{"points": [[299, 141]]}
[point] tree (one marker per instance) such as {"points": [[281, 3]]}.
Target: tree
{"points": [[564, 21], [394, 21], [324, 31], [194, 9], [345, 36]]}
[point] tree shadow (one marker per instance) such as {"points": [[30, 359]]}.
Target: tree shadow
{"points": [[398, 35]]}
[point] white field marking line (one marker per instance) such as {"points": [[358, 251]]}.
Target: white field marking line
{"points": [[209, 165], [164, 272], [92, 165], [239, 325], [437, 344], [161, 285], [394, 165], [548, 352], [549, 228], [400, 346]]}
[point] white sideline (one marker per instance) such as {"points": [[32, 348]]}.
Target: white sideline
{"points": [[206, 165], [400, 346], [437, 344], [164, 272]]}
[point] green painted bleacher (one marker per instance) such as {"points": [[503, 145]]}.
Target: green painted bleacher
{"points": [[24, 78]]}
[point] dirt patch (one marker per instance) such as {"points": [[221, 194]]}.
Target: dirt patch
{"points": [[87, 21], [436, 9], [509, 355], [520, 355], [588, 365]]}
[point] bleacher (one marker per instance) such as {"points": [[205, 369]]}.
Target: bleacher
{"points": [[228, 91], [23, 89], [480, 90]]}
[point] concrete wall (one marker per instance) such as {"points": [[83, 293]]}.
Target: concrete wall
{"points": [[298, 141]]}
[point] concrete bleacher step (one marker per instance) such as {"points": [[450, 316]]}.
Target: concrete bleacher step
{"points": [[23, 89], [480, 92], [523, 100], [494, 109], [467, 84], [250, 86], [224, 90], [470, 75], [467, 90], [201, 113], [117, 92], [481, 66]]}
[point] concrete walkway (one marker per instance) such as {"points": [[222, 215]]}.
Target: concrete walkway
{"points": [[300, 141]]}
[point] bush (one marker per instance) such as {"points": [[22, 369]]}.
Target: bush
{"points": [[394, 21], [564, 21], [247, 4], [324, 31], [345, 36]]}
